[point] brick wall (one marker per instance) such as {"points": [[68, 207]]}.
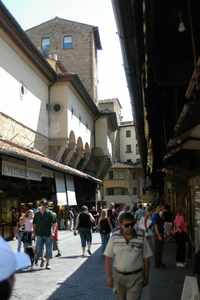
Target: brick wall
{"points": [[79, 59]]}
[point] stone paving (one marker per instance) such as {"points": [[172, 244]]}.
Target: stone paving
{"points": [[76, 278]]}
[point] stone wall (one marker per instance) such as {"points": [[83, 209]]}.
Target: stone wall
{"points": [[19, 134], [80, 58]]}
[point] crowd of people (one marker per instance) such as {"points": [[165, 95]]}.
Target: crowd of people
{"points": [[157, 223], [129, 237]]}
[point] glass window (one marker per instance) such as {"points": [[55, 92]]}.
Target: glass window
{"points": [[120, 174], [45, 44], [128, 133], [120, 191], [67, 42], [128, 149], [110, 191], [110, 175]]}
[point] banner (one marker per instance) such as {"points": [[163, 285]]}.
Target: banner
{"points": [[61, 189], [71, 195]]}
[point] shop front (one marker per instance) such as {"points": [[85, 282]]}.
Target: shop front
{"points": [[27, 176], [22, 185]]}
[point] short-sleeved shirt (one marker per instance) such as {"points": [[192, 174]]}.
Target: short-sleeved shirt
{"points": [[44, 223], [127, 255]]}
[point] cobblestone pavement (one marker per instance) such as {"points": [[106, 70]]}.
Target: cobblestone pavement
{"points": [[76, 278]]}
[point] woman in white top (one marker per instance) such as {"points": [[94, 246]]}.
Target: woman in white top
{"points": [[28, 228]]}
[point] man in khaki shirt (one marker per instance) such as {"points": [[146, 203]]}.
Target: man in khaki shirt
{"points": [[127, 260]]}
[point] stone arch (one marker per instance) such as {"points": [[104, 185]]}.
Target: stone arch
{"points": [[72, 140], [87, 148], [79, 144]]}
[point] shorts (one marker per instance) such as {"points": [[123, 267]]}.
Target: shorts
{"points": [[86, 236], [128, 286]]}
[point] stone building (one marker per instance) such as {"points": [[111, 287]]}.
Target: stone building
{"points": [[123, 183], [75, 44]]}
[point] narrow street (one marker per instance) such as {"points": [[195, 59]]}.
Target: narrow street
{"points": [[73, 277], [74, 273]]}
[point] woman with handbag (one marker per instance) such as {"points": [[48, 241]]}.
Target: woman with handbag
{"points": [[180, 232]]}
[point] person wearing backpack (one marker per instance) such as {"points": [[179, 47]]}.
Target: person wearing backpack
{"points": [[84, 226]]}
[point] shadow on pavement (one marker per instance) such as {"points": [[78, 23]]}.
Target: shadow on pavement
{"points": [[167, 283], [86, 283], [71, 256], [31, 270]]}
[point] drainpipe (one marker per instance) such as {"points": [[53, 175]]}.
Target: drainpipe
{"points": [[49, 102], [94, 122]]}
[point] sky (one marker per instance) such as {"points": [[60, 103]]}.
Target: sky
{"points": [[111, 75]]}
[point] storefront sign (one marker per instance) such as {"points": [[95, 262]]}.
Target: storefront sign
{"points": [[20, 171]]}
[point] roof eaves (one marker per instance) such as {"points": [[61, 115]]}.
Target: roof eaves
{"points": [[97, 38], [11, 149]]}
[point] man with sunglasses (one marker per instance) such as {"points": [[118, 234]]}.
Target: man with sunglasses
{"points": [[127, 260]]}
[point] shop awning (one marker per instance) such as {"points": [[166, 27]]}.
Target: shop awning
{"points": [[13, 150]]}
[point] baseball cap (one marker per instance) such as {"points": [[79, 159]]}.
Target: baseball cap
{"points": [[11, 261]]}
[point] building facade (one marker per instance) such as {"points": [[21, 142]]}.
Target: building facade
{"points": [[47, 130], [129, 151], [75, 44], [124, 182]]}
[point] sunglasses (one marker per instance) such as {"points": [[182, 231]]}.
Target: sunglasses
{"points": [[127, 225]]}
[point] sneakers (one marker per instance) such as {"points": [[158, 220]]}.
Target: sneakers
{"points": [[48, 267], [58, 254], [42, 263]]}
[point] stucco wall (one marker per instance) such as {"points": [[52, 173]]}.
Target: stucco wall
{"points": [[82, 120], [126, 200], [103, 140], [18, 133], [28, 108], [74, 115], [124, 156]]}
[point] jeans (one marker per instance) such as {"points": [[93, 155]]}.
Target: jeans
{"points": [[86, 236], [104, 240], [19, 240], [42, 241]]}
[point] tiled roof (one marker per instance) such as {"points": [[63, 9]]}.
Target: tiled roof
{"points": [[17, 151]]}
